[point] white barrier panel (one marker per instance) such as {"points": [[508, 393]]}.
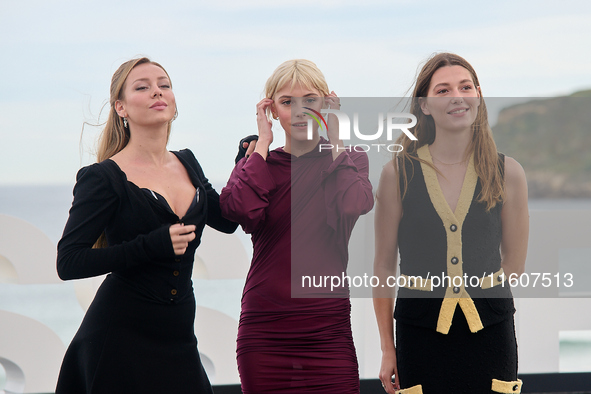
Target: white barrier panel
{"points": [[29, 250], [539, 320], [31, 352]]}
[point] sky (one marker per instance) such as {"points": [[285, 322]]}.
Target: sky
{"points": [[57, 58]]}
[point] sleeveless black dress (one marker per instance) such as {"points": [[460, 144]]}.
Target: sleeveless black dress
{"points": [[138, 333], [452, 336]]}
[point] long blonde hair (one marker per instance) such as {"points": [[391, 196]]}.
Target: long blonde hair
{"points": [[115, 136], [486, 160]]}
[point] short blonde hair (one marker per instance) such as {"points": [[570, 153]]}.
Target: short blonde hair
{"points": [[296, 71]]}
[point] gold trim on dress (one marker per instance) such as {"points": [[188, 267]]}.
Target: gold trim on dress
{"points": [[452, 222], [487, 282], [418, 389], [500, 386]]}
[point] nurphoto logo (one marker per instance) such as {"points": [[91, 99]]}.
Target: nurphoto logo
{"points": [[345, 129]]}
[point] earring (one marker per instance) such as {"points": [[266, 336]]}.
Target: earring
{"points": [[125, 122], [274, 115]]}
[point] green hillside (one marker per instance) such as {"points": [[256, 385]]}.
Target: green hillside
{"points": [[551, 138]]}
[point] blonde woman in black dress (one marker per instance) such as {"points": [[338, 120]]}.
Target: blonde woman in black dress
{"points": [[144, 209]]}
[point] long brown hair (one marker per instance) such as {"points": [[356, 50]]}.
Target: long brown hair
{"points": [[483, 146], [115, 135]]}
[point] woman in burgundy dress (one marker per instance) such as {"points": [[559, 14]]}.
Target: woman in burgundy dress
{"points": [[300, 204]]}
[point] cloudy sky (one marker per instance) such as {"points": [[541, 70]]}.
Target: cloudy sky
{"points": [[57, 58]]}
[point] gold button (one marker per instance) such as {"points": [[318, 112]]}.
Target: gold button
{"points": [[173, 292], [176, 273], [177, 260]]}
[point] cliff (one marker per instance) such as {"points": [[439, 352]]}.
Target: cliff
{"points": [[551, 138]]}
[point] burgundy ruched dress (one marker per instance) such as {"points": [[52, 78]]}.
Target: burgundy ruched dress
{"points": [[299, 210]]}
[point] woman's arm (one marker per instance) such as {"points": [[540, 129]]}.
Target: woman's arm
{"points": [[246, 196], [515, 219], [348, 191], [387, 218], [265, 129], [94, 206], [215, 218], [338, 147], [214, 212]]}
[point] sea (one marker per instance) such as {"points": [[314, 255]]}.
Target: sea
{"points": [[55, 305]]}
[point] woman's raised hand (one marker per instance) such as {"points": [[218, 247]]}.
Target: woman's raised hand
{"points": [[332, 101], [263, 122], [265, 132]]}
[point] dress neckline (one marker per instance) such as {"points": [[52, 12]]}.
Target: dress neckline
{"points": [[159, 196], [313, 153], [436, 194], [162, 200]]}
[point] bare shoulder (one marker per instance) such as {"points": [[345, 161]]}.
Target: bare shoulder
{"points": [[390, 173], [515, 181], [388, 180], [514, 172], [390, 168]]}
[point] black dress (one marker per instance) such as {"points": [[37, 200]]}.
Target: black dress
{"points": [[457, 337], [138, 333]]}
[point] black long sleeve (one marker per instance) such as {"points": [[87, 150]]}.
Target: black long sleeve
{"points": [[95, 203]]}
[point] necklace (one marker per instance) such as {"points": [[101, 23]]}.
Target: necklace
{"points": [[449, 164]]}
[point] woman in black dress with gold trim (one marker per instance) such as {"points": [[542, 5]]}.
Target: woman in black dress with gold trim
{"points": [[453, 207]]}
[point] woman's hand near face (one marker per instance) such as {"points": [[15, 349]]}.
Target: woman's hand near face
{"points": [[181, 235], [333, 102], [265, 132]]}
